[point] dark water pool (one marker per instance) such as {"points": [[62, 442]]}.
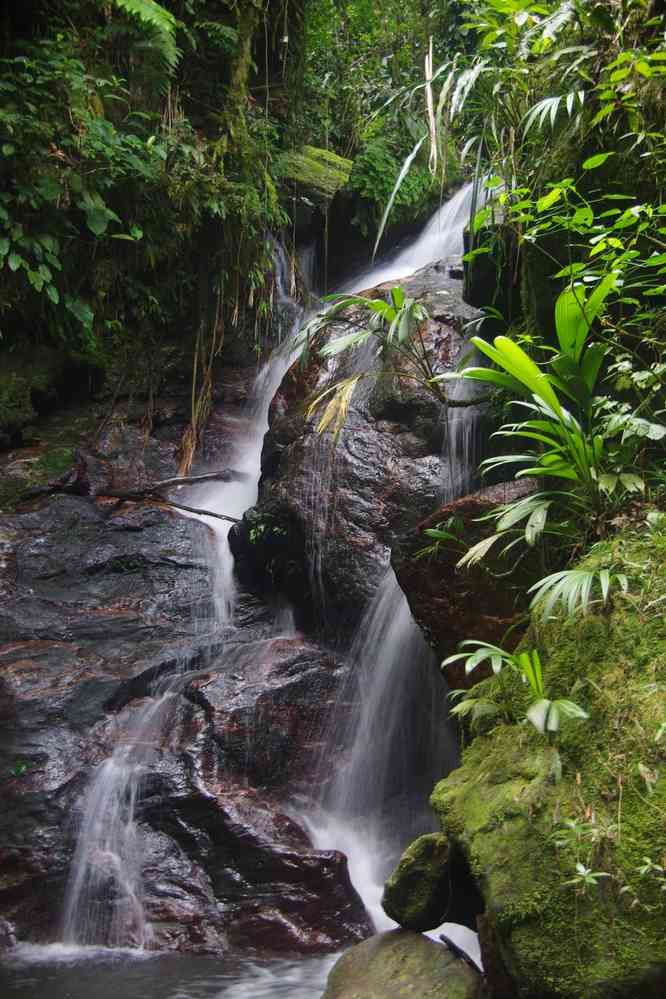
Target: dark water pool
{"points": [[58, 972]]}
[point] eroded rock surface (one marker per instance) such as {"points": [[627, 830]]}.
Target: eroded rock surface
{"points": [[451, 604], [329, 512], [99, 606]]}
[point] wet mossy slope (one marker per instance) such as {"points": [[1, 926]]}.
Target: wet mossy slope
{"points": [[596, 929]]}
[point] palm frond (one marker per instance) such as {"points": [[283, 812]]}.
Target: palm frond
{"points": [[573, 589]]}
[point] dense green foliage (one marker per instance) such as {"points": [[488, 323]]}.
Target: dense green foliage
{"points": [[143, 162], [136, 187], [363, 96], [571, 163]]}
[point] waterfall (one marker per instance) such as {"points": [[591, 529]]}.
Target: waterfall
{"points": [[396, 739], [397, 742], [104, 899], [441, 238]]}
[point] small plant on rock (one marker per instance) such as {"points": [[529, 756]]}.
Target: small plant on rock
{"points": [[545, 714]]}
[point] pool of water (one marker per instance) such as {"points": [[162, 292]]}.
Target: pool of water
{"points": [[59, 972]]}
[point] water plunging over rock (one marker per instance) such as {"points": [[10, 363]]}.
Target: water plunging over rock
{"points": [[176, 849], [177, 782]]}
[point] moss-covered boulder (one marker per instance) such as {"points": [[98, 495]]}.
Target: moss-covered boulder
{"points": [[416, 893], [567, 838], [430, 885], [317, 173], [401, 965]]}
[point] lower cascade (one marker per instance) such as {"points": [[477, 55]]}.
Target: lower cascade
{"points": [[397, 743]]}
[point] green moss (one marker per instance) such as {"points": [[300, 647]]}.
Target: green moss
{"points": [[506, 810], [317, 173]]}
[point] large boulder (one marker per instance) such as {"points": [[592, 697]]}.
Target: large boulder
{"points": [[330, 509], [400, 964]]}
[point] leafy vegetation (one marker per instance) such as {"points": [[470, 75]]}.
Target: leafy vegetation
{"points": [[137, 184]]}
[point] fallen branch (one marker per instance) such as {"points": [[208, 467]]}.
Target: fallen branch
{"points": [[226, 475], [71, 484], [151, 492]]}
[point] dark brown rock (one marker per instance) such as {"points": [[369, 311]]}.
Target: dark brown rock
{"points": [[452, 604], [97, 606], [330, 510]]}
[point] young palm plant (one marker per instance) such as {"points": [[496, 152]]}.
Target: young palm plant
{"points": [[391, 331], [545, 714]]}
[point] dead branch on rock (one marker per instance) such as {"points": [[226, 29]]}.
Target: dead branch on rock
{"points": [[136, 495], [71, 484]]}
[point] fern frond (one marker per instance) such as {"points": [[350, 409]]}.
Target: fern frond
{"points": [[161, 21]]}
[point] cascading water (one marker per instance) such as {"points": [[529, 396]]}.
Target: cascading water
{"points": [[462, 441], [441, 238], [396, 736], [398, 745], [104, 900]]}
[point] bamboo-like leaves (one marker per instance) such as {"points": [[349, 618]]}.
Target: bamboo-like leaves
{"points": [[544, 714], [339, 398], [481, 652], [573, 590]]}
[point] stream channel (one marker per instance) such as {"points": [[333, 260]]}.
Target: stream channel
{"points": [[397, 737]]}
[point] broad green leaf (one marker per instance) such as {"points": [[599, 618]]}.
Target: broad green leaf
{"points": [[592, 162], [508, 355], [35, 279], [481, 218], [632, 483], [570, 321], [599, 296], [81, 310], [15, 261], [550, 199], [97, 220], [538, 714]]}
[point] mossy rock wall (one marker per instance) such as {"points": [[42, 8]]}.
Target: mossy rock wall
{"points": [[524, 828], [316, 173]]}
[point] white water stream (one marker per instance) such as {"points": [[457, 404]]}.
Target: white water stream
{"points": [[397, 741]]}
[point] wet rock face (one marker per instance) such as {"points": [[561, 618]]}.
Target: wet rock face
{"points": [[401, 964], [449, 604], [100, 605], [269, 708], [329, 512]]}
